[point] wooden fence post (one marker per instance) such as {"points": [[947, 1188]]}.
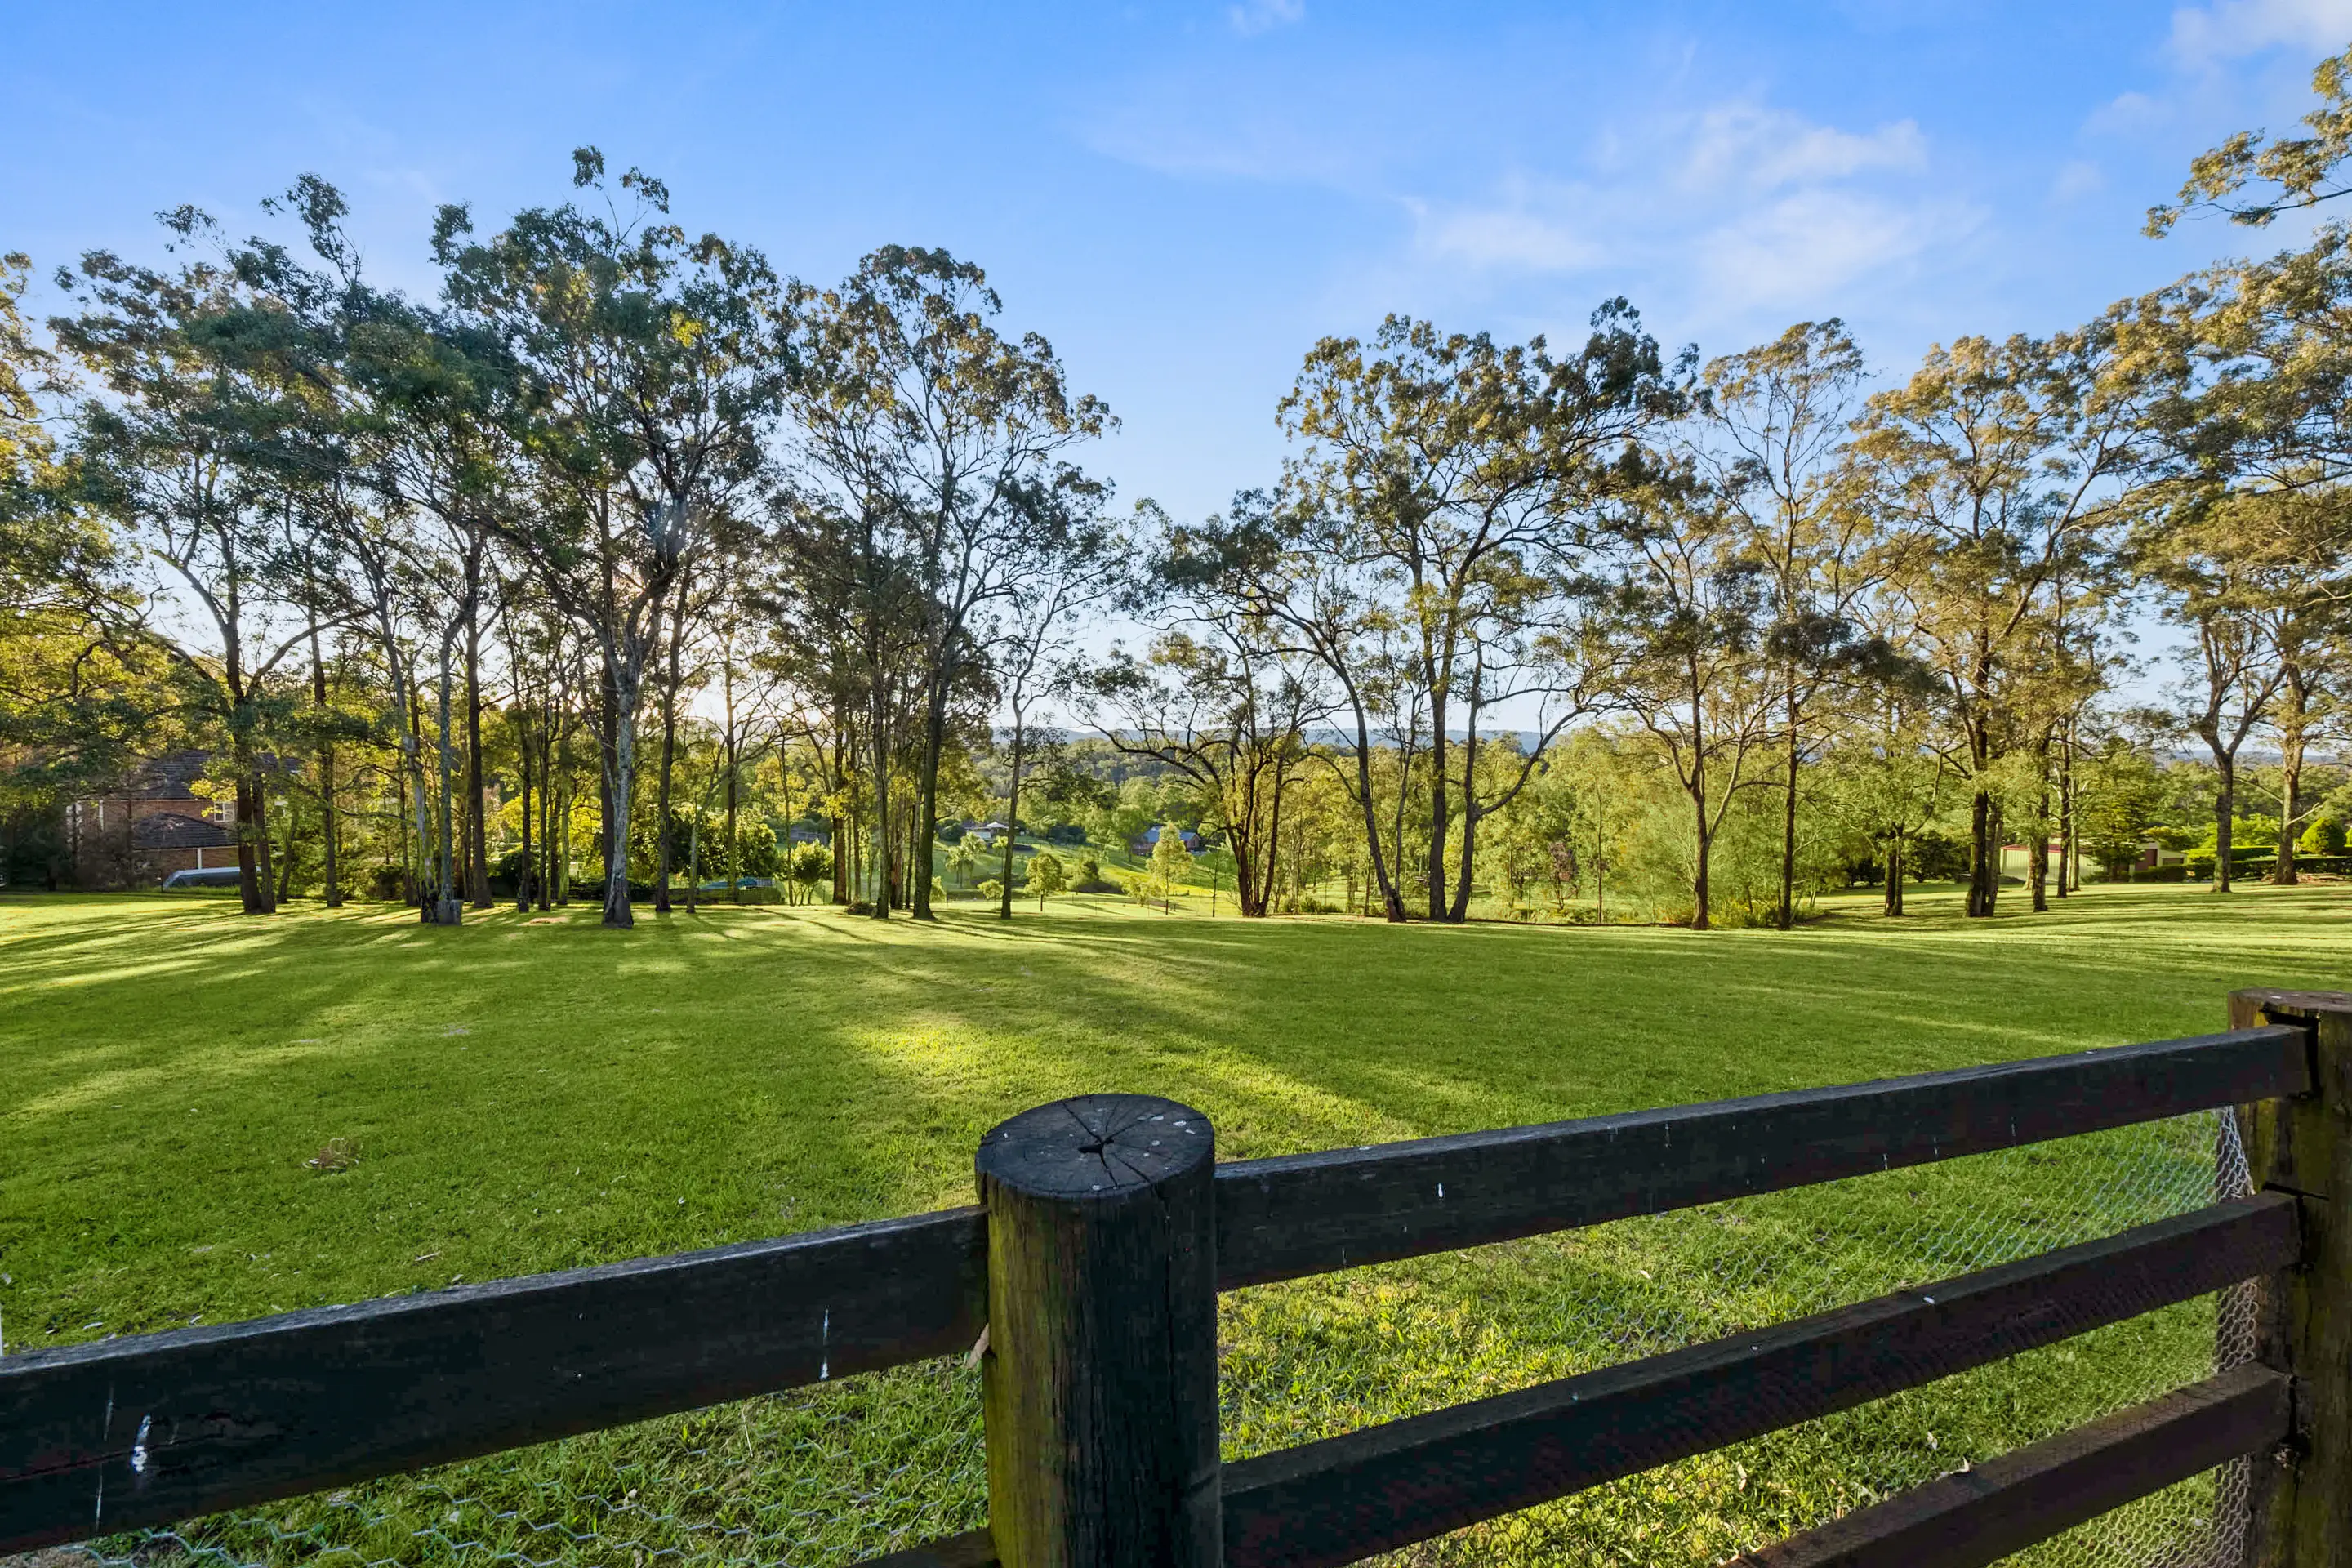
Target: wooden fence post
{"points": [[1100, 1375], [2300, 1498]]}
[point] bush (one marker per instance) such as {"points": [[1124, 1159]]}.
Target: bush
{"points": [[992, 889], [809, 864]]}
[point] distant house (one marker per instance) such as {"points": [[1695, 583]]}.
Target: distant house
{"points": [[1150, 840], [155, 824], [2017, 860]]}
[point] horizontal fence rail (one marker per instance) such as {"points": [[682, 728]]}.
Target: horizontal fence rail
{"points": [[1349, 1497], [1980, 1516], [1311, 1214], [151, 1429]]}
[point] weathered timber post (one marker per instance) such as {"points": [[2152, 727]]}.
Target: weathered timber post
{"points": [[1100, 1377], [2301, 1501]]}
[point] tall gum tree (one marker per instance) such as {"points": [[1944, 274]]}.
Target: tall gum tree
{"points": [[1689, 610], [177, 453], [651, 365], [2000, 470], [928, 431], [1458, 474], [1774, 438]]}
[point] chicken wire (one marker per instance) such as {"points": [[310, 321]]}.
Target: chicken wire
{"points": [[841, 1472]]}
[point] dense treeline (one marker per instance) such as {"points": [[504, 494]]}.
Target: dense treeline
{"points": [[626, 562]]}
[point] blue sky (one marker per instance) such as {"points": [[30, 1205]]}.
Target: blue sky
{"points": [[1183, 196]]}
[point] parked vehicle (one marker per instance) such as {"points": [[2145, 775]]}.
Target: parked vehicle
{"points": [[210, 876]]}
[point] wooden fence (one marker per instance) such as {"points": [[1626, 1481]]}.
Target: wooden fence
{"points": [[1090, 1273]]}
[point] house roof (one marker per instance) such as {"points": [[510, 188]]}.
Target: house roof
{"points": [[175, 830], [172, 776]]}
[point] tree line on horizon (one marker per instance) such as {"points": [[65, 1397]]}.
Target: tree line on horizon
{"points": [[625, 553]]}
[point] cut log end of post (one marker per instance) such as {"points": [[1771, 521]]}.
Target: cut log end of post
{"points": [[1100, 1371]]}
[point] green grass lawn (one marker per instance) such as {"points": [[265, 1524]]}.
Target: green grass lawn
{"points": [[522, 1095]]}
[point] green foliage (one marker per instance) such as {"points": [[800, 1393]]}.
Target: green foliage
{"points": [[812, 1075], [808, 867], [2121, 795], [1047, 875], [1171, 863]]}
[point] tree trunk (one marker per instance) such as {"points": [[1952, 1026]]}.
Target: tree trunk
{"points": [[1013, 822], [923, 826], [1984, 855], [1788, 911], [251, 892], [2225, 808], [608, 763], [662, 836], [1699, 891], [1391, 897], [477, 835], [448, 909], [1439, 810], [328, 825], [2037, 869], [2293, 707], [1460, 911], [734, 762], [2067, 869], [880, 747], [419, 811], [529, 871], [620, 786], [1894, 906], [286, 867]]}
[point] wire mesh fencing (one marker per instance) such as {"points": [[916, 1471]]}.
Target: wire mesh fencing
{"points": [[840, 1472]]}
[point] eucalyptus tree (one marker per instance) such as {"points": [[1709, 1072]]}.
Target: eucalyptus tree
{"points": [[2000, 470], [1446, 481], [1280, 560], [845, 630], [928, 432], [2251, 178], [2197, 556], [2256, 426], [1075, 565], [649, 367], [1221, 697], [78, 687], [1775, 439], [177, 453], [1690, 610]]}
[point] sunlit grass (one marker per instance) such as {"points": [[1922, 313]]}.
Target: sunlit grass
{"points": [[526, 1097]]}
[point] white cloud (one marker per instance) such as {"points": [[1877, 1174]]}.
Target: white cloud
{"points": [[1771, 208], [1254, 17], [2127, 115], [2226, 29], [1807, 245], [2077, 177], [1769, 148], [1516, 235]]}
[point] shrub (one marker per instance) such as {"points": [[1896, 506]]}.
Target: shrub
{"points": [[1046, 876]]}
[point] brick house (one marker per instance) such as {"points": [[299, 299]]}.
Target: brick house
{"points": [[156, 823]]}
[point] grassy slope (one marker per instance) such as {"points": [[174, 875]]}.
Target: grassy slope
{"points": [[525, 1096]]}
